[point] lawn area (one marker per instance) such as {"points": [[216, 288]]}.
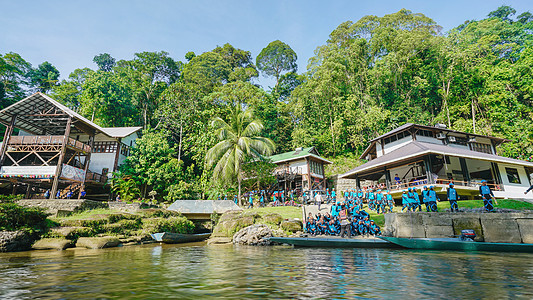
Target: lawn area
{"points": [[287, 212], [502, 203]]}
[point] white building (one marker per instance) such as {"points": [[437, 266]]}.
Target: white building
{"points": [[426, 155]]}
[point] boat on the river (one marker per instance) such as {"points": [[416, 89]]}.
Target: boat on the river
{"points": [[334, 242], [457, 244], [176, 238]]}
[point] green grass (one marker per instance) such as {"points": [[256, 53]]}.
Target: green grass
{"points": [[87, 214], [287, 212], [501, 203]]}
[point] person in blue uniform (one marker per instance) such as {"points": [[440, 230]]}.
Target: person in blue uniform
{"points": [[405, 201], [311, 227], [361, 228], [262, 199], [334, 210], [333, 195], [332, 228], [486, 194], [452, 196], [379, 201], [371, 199], [374, 228], [416, 200], [328, 195], [390, 201], [251, 200], [425, 198], [432, 197], [236, 200]]}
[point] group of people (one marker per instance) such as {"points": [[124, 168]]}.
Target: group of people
{"points": [[343, 220], [378, 200]]}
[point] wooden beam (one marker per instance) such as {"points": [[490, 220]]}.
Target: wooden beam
{"points": [[59, 167], [7, 136]]}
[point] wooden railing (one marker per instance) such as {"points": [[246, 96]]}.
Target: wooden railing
{"points": [[95, 177], [47, 140]]}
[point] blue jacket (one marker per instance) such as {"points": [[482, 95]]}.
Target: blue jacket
{"points": [[432, 196], [425, 196], [452, 194]]}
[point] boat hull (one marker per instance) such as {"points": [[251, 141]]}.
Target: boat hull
{"points": [[456, 244], [333, 242], [176, 238]]}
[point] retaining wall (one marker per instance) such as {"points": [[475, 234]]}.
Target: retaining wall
{"points": [[489, 227], [62, 206]]}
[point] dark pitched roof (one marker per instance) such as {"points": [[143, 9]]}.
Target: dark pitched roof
{"points": [[415, 149], [409, 125]]}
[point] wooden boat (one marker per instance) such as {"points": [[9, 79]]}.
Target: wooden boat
{"points": [[175, 238], [457, 244], [334, 242]]}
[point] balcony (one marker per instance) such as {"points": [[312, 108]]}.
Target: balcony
{"points": [[95, 177], [20, 143]]}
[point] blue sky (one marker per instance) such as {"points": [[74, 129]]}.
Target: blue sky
{"points": [[69, 34]]}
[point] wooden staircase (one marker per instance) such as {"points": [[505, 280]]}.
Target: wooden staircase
{"points": [[74, 188]]}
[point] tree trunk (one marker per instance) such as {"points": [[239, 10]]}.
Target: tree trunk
{"points": [[239, 180], [473, 116], [181, 138]]}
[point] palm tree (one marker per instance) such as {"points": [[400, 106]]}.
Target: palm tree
{"points": [[238, 139]]}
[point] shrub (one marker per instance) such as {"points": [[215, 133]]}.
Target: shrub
{"points": [[172, 224], [16, 217], [159, 213], [10, 198]]}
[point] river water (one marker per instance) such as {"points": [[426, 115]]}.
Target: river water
{"points": [[197, 271]]}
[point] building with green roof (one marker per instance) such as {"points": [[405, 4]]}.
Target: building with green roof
{"points": [[301, 169]]}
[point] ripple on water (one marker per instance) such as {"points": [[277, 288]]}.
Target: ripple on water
{"points": [[173, 271]]}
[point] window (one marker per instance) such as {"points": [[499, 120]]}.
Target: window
{"points": [[484, 148], [512, 175], [458, 140], [105, 147], [427, 133]]}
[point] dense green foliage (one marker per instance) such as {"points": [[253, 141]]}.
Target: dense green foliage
{"points": [[16, 217], [371, 76]]}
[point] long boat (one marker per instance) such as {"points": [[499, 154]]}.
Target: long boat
{"points": [[334, 242], [456, 244], [176, 238]]}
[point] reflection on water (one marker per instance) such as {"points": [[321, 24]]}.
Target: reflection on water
{"points": [[196, 270]]}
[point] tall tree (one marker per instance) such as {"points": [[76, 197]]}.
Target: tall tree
{"points": [[14, 78], [104, 61], [277, 58], [44, 77], [238, 139], [149, 74]]}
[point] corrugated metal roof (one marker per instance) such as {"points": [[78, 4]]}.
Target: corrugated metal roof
{"points": [[415, 149], [39, 101], [297, 154], [120, 132]]}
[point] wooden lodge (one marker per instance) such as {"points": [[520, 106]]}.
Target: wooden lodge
{"points": [[425, 155], [56, 149], [300, 170]]}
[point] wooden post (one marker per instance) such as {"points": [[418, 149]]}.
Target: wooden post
{"points": [[7, 136], [309, 184], [115, 165], [387, 178], [87, 161], [59, 167], [324, 175]]}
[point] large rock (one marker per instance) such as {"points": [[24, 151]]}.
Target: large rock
{"points": [[233, 221], [257, 234], [219, 241], [73, 233], [273, 218], [15, 241], [292, 225], [52, 243], [97, 242], [526, 230]]}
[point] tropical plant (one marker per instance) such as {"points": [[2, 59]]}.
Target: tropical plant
{"points": [[125, 186], [238, 140]]}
